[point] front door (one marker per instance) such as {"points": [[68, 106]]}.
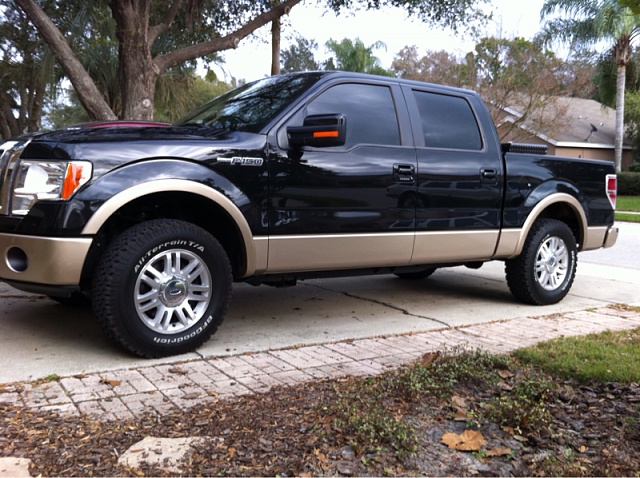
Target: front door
{"points": [[345, 206]]}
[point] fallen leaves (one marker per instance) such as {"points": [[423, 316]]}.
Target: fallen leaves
{"points": [[499, 451], [462, 410], [429, 357], [469, 440], [472, 440], [287, 432]]}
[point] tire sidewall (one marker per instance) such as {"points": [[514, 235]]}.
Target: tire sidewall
{"points": [[552, 229], [209, 253]]}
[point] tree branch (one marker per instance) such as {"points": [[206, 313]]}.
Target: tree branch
{"points": [[227, 42], [92, 100], [162, 27]]}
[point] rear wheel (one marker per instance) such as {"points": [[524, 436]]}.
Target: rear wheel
{"points": [[544, 272], [162, 288]]}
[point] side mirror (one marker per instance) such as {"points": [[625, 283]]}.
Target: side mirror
{"points": [[320, 131]]}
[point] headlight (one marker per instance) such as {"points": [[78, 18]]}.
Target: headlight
{"points": [[36, 180]]}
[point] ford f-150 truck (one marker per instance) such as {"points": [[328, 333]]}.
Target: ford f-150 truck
{"points": [[297, 176]]}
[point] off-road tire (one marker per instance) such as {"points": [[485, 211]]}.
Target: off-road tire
{"points": [[162, 288], [544, 272]]}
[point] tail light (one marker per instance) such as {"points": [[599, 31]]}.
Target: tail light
{"points": [[612, 189]]}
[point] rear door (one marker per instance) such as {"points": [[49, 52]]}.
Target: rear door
{"points": [[459, 178]]}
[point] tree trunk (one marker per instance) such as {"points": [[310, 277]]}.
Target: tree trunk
{"points": [[138, 72], [275, 46], [620, 90], [88, 93], [9, 123]]}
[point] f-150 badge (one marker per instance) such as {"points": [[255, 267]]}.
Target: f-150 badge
{"points": [[242, 161]]}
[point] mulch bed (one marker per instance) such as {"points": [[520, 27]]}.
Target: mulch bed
{"points": [[594, 431]]}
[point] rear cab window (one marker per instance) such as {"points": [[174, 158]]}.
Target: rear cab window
{"points": [[447, 122]]}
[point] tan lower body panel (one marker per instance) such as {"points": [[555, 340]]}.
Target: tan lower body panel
{"points": [[353, 251], [454, 246], [49, 261], [338, 251]]}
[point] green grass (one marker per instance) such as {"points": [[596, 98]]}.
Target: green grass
{"points": [[621, 216], [374, 413], [604, 357], [628, 203]]}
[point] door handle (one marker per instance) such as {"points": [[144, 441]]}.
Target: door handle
{"points": [[489, 176], [404, 173]]}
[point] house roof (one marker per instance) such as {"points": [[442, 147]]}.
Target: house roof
{"points": [[584, 122]]}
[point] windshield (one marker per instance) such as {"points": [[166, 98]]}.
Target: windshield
{"points": [[252, 106]]}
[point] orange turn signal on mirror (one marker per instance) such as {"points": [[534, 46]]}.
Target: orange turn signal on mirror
{"points": [[325, 134]]}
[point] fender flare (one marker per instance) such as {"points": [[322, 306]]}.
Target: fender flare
{"points": [[113, 204], [512, 240]]}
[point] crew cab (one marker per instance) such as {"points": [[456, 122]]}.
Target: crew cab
{"points": [[291, 177]]}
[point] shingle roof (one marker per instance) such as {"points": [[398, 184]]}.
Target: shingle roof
{"points": [[583, 121]]}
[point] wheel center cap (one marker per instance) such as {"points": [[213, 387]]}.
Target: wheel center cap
{"points": [[174, 292], [551, 263]]}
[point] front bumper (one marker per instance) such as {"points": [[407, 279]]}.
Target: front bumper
{"points": [[44, 261]]}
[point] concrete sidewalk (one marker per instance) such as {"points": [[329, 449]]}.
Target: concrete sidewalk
{"points": [[160, 389]]}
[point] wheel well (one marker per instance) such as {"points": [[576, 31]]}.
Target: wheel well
{"points": [[184, 206], [565, 213]]}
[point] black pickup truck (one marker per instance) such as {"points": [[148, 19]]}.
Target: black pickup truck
{"points": [[290, 177]]}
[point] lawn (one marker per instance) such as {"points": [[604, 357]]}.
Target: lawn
{"points": [[628, 203]]}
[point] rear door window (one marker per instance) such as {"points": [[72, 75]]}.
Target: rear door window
{"points": [[448, 122]]}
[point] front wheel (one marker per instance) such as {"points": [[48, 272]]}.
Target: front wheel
{"points": [[544, 272], [162, 288]]}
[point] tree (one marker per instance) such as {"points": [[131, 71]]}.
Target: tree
{"points": [[27, 73], [300, 56], [434, 67], [353, 55], [515, 73], [587, 22], [522, 75], [605, 78], [140, 26], [632, 120]]}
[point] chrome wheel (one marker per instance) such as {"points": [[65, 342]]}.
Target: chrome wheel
{"points": [[544, 271], [172, 291], [552, 263]]}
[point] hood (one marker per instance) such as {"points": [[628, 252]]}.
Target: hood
{"points": [[107, 131]]}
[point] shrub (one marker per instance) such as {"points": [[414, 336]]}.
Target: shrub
{"points": [[629, 184]]}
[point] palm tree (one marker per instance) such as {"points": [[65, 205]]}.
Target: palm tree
{"points": [[354, 55], [588, 22]]}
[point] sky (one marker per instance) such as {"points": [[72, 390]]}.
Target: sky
{"points": [[252, 59]]}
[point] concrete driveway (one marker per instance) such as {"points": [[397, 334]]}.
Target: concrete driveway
{"points": [[39, 337]]}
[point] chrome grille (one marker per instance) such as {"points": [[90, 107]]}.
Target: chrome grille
{"points": [[9, 155]]}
